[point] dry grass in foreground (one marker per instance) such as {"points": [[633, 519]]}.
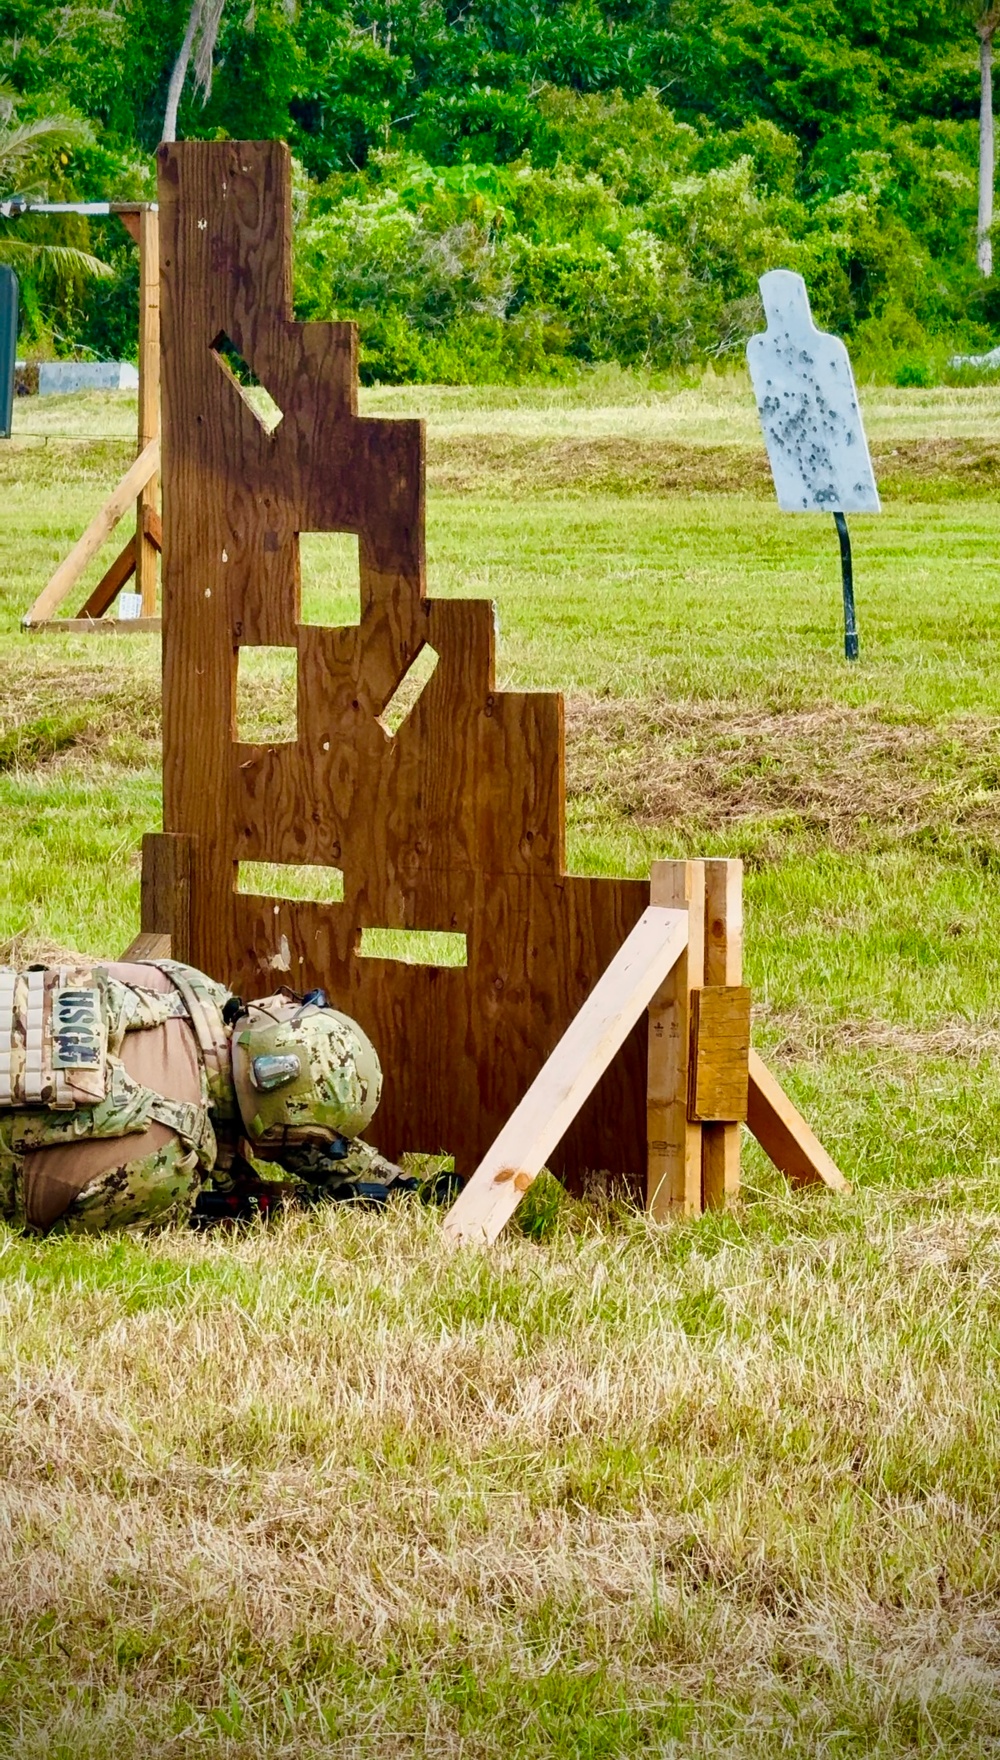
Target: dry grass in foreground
{"points": [[334, 1489]]}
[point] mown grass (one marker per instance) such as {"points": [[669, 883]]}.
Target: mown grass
{"points": [[722, 1488]]}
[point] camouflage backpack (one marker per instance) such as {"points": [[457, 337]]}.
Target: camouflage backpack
{"points": [[113, 1079]]}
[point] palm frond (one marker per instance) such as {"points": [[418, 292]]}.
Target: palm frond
{"points": [[62, 259], [20, 143]]}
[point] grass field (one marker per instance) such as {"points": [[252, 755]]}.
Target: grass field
{"points": [[724, 1488]]}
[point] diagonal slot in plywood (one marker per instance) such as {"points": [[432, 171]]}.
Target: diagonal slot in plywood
{"points": [[254, 394], [410, 688]]}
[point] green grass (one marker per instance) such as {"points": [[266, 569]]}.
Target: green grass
{"points": [[726, 1487]]}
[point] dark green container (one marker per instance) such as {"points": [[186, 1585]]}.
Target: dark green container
{"points": [[8, 347]]}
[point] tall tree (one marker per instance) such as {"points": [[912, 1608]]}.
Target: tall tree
{"points": [[987, 21], [200, 35]]}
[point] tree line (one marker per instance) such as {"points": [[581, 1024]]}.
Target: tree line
{"points": [[497, 189]]}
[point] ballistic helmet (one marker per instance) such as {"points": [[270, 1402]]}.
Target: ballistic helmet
{"points": [[302, 1072]]}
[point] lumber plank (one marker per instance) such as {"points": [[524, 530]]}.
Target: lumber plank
{"points": [[720, 1047], [784, 1135], [147, 947], [673, 1168], [165, 894], [654, 947], [95, 626], [100, 527], [149, 400], [720, 1143], [111, 582]]}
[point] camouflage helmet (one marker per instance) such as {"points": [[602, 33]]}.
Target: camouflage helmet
{"points": [[302, 1071]]}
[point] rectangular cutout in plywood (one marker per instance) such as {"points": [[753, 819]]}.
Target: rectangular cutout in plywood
{"points": [[330, 592], [267, 696], [415, 947], [291, 880]]}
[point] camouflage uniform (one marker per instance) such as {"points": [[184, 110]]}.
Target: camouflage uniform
{"points": [[64, 1090]]}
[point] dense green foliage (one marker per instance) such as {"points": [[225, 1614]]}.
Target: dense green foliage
{"points": [[496, 188]]}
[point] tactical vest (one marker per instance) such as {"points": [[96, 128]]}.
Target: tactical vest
{"points": [[112, 1080]]}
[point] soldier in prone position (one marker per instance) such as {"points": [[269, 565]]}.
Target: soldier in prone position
{"points": [[131, 1094]]}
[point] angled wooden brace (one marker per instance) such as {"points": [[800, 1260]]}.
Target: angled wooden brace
{"points": [[584, 1052]]}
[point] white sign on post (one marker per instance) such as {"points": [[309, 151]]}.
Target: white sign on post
{"points": [[809, 412]]}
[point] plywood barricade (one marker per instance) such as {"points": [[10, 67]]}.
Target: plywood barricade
{"points": [[457, 821]]}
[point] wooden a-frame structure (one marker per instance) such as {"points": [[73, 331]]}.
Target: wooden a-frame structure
{"points": [[138, 486]]}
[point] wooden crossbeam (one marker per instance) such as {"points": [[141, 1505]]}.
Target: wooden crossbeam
{"points": [[96, 626], [147, 947], [673, 1166], [571, 1073], [124, 566]]}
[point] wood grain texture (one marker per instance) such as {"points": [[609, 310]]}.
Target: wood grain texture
{"points": [[720, 1143], [165, 899], [147, 947], [541, 1119], [95, 626], [146, 548], [720, 1047], [785, 1136], [673, 1172], [456, 822]]}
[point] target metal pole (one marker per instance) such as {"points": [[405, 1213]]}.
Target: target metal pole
{"points": [[847, 572]]}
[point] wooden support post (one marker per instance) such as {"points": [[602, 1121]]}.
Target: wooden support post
{"points": [[165, 911], [576, 1065], [720, 1143], [673, 1165], [149, 401]]}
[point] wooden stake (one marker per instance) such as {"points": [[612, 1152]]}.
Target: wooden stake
{"points": [[579, 1060], [149, 400], [720, 1143], [166, 889], [673, 1164]]}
